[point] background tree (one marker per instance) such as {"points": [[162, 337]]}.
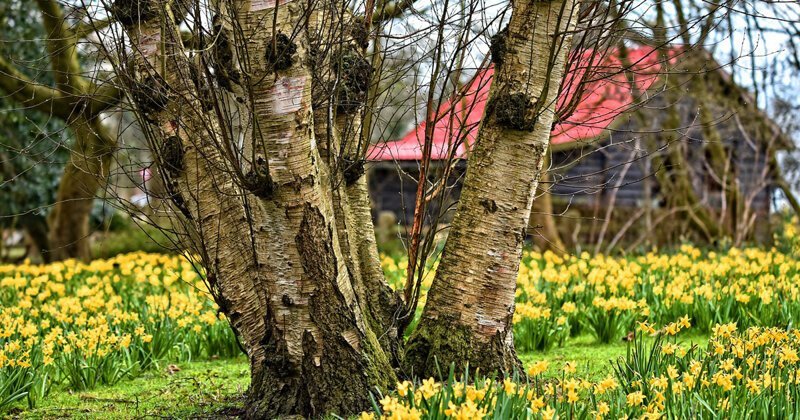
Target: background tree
{"points": [[65, 92]]}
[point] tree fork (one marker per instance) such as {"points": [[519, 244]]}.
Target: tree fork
{"points": [[277, 264]]}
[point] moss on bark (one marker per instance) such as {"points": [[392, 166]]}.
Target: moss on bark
{"points": [[434, 346]]}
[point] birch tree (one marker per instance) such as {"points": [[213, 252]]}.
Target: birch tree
{"points": [[467, 318], [261, 214], [254, 112]]}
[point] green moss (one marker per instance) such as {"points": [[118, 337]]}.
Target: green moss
{"points": [[436, 345]]}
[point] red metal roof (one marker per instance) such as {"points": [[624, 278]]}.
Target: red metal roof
{"points": [[603, 99]]}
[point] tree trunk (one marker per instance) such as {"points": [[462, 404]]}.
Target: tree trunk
{"points": [[720, 161], [268, 237], [549, 238], [356, 236], [780, 182], [382, 303], [343, 147], [468, 315], [36, 226], [674, 179], [84, 174]]}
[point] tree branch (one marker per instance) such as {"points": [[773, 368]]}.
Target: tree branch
{"points": [[102, 97], [388, 10], [61, 46], [85, 29], [29, 93]]}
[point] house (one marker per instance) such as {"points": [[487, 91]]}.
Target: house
{"points": [[623, 157]]}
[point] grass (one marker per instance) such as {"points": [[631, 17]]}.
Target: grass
{"points": [[215, 388], [198, 389], [592, 358]]}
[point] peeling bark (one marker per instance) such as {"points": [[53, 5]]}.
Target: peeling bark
{"points": [[468, 315]]}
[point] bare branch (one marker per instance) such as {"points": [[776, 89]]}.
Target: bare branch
{"points": [[388, 10], [29, 93], [85, 29]]}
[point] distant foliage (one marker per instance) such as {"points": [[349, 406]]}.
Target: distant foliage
{"points": [[32, 146]]}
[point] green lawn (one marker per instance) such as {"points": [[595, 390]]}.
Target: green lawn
{"points": [[593, 359], [198, 389], [214, 388]]}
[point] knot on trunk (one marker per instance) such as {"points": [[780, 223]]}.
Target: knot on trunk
{"points": [[180, 9], [353, 170], [203, 88], [223, 58], [150, 94], [499, 46], [511, 111], [178, 200], [489, 205], [258, 181], [358, 32], [172, 154], [280, 52], [355, 75], [135, 12]]}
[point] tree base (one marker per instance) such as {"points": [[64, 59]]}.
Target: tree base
{"points": [[434, 346]]}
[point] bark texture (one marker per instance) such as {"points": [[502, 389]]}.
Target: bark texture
{"points": [[468, 315], [269, 240], [341, 82]]}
